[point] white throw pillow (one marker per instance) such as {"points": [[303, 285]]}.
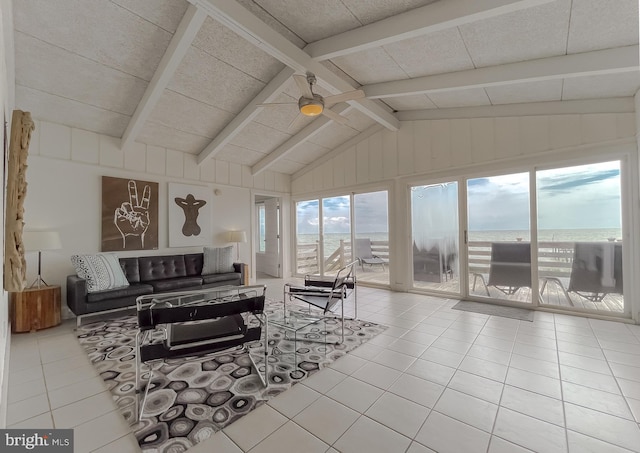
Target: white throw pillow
{"points": [[101, 271], [218, 260]]}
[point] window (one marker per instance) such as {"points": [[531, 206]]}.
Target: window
{"points": [[261, 228]]}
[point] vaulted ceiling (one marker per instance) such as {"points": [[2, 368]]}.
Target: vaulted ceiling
{"points": [[189, 75]]}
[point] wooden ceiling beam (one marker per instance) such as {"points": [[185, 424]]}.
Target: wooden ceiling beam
{"points": [[183, 37], [430, 18], [598, 62]]}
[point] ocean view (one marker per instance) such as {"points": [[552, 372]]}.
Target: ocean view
{"points": [[332, 240]]}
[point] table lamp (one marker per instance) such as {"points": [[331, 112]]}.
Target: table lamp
{"points": [[39, 241], [237, 237]]}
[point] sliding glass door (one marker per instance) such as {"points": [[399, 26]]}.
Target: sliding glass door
{"points": [[435, 233], [550, 237], [499, 237], [580, 246], [334, 231], [371, 235]]}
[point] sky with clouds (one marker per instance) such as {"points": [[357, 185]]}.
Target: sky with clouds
{"points": [[586, 196]]}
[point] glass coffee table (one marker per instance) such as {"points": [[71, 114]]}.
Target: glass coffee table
{"points": [[299, 326]]}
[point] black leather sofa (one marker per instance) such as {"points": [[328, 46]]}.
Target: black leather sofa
{"points": [[147, 275]]}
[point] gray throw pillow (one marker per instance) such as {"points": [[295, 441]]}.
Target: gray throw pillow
{"points": [[217, 260], [101, 271]]}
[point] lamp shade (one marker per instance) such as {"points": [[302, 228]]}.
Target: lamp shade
{"points": [[237, 236], [41, 240]]}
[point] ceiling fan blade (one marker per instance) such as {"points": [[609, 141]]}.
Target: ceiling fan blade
{"points": [[276, 103], [343, 97], [303, 86], [335, 116]]}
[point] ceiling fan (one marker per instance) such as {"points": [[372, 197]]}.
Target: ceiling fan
{"points": [[311, 104]]}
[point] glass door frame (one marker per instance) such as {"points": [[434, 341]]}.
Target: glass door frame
{"points": [[630, 221], [340, 193]]}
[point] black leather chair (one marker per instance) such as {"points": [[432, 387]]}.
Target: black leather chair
{"points": [[326, 293], [195, 323]]}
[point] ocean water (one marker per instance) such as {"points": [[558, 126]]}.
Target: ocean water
{"points": [[332, 240]]}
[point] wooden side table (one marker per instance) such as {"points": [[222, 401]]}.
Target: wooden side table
{"points": [[35, 309]]}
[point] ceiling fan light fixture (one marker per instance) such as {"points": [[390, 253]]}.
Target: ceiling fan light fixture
{"points": [[311, 107]]}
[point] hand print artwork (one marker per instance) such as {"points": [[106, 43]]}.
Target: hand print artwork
{"points": [[129, 214], [190, 221]]}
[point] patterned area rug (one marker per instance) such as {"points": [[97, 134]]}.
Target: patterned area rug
{"points": [[190, 399]]}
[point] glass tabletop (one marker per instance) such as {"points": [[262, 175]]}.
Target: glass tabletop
{"points": [[293, 320]]}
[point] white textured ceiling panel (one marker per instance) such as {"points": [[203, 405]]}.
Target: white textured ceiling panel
{"points": [[239, 155], [214, 82], [434, 53], [223, 44], [280, 116], [307, 153], [97, 29], [601, 24], [371, 66], [166, 137], [286, 166], [271, 21], [417, 102], [548, 90], [259, 138], [164, 13], [311, 20], [532, 33], [75, 77], [45, 106], [87, 63], [188, 115], [615, 85], [367, 11], [333, 136], [461, 98], [358, 120]]}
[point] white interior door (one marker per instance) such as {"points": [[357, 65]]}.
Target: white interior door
{"points": [[272, 237]]}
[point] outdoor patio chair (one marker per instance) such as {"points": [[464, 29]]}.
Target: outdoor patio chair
{"points": [[364, 254], [596, 271], [325, 293], [195, 323], [509, 268]]}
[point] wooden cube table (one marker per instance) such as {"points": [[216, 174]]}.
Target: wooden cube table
{"points": [[35, 309]]}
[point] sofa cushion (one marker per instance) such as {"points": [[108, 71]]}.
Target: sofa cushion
{"points": [[137, 289], [131, 269], [172, 284], [101, 271], [193, 262], [161, 267], [217, 260], [212, 278]]}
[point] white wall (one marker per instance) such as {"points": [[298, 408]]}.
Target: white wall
{"points": [[65, 167], [449, 145], [444, 148], [6, 101]]}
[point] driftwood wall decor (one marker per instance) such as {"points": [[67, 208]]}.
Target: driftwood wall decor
{"points": [[15, 267]]}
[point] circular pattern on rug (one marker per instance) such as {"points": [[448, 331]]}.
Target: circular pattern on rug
{"points": [[159, 401], [190, 399]]}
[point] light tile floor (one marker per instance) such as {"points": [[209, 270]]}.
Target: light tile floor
{"points": [[436, 380]]}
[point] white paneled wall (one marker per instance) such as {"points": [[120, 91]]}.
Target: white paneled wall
{"points": [[427, 146], [65, 167], [67, 143]]}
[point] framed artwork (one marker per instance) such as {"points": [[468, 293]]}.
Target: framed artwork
{"points": [[190, 215], [129, 214]]}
